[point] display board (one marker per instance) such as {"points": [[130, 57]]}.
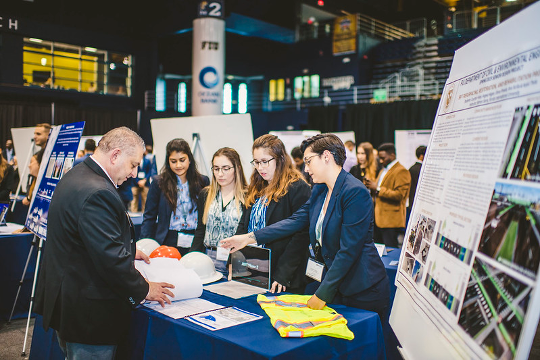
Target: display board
{"points": [[96, 138], [468, 273], [407, 141], [291, 139], [23, 144], [215, 132], [57, 161]]}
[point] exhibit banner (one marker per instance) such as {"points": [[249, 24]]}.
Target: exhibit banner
{"points": [[344, 41], [468, 273], [57, 160], [208, 66]]}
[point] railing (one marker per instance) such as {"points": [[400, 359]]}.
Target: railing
{"points": [[418, 27], [410, 82]]}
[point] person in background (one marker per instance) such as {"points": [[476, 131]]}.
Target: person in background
{"points": [[221, 204], [298, 158], [7, 178], [367, 166], [171, 212], [415, 173], [339, 215], [277, 189], [89, 148], [80, 154], [33, 170], [9, 152], [350, 160], [147, 170], [41, 134], [392, 190], [88, 283]]}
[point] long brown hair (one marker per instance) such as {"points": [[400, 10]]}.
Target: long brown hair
{"points": [[285, 174], [239, 178], [371, 165], [167, 178], [3, 167]]}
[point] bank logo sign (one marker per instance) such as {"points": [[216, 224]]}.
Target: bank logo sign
{"points": [[208, 77]]}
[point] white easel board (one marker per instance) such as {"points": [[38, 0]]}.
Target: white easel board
{"points": [[215, 132], [291, 139], [22, 142], [407, 141], [468, 273]]}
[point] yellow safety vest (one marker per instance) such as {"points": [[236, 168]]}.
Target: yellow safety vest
{"points": [[291, 317]]}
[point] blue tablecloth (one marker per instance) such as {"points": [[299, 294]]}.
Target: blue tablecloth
{"points": [[156, 336], [14, 251]]}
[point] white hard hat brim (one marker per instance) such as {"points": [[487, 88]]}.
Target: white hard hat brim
{"points": [[217, 276]]}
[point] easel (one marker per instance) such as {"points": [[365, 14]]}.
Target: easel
{"points": [[25, 169], [197, 147]]}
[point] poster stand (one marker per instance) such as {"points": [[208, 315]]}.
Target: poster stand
{"points": [[197, 148], [25, 169]]}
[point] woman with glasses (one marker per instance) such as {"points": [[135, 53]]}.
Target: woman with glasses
{"points": [[276, 191], [170, 214], [221, 204], [339, 215]]}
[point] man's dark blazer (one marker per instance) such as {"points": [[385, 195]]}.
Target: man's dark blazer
{"points": [[157, 208], [87, 283], [415, 174], [347, 243], [289, 252]]}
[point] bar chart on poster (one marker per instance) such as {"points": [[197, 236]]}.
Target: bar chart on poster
{"points": [[468, 274]]}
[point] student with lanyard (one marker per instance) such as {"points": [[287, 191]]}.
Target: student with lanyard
{"points": [[339, 215], [276, 191], [170, 214], [221, 204]]}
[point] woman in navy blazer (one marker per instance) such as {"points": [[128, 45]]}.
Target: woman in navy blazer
{"points": [[179, 174], [339, 215]]}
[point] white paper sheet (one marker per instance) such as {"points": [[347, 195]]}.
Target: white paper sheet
{"points": [[183, 308], [234, 289], [223, 318]]}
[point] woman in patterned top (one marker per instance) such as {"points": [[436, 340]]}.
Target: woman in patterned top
{"points": [[170, 213], [276, 191], [221, 204]]}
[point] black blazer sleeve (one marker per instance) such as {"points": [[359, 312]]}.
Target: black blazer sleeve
{"points": [[151, 209], [198, 239]]}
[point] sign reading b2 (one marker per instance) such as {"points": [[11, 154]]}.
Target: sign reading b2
{"points": [[211, 9]]}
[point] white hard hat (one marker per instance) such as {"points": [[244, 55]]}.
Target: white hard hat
{"points": [[147, 245], [203, 265]]}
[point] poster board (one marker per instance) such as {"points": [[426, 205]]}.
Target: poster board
{"points": [[215, 132], [84, 138], [23, 144], [291, 139], [407, 141], [468, 273], [57, 161]]}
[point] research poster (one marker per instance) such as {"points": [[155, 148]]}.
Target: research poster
{"points": [[57, 161], [471, 251]]}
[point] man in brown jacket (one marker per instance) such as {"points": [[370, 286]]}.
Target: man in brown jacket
{"points": [[392, 189]]}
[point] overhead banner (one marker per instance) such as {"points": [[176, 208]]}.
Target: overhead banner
{"points": [[208, 65], [468, 274], [344, 35], [57, 160]]}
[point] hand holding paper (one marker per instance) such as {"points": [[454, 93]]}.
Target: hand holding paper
{"points": [[158, 292]]}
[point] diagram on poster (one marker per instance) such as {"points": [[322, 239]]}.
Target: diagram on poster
{"points": [[471, 254]]}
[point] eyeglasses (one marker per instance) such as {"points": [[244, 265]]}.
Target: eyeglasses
{"points": [[224, 169], [307, 160], [262, 163]]}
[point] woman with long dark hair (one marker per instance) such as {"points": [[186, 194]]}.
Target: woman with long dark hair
{"points": [[172, 199], [7, 178], [276, 191], [221, 204]]}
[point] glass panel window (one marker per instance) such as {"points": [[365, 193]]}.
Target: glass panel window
{"points": [[227, 98], [298, 86], [272, 90], [161, 104], [315, 85], [281, 89], [61, 66], [242, 98], [305, 81], [182, 97]]}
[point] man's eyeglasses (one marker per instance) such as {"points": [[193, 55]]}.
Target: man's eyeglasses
{"points": [[262, 163], [223, 169], [307, 160]]}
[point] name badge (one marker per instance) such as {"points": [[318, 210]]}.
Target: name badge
{"points": [[222, 253], [314, 269], [184, 240], [141, 175]]}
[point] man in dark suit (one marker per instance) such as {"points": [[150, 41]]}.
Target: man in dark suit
{"points": [[88, 283], [415, 173], [392, 189]]}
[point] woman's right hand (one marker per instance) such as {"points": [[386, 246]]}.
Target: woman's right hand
{"points": [[238, 242]]}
